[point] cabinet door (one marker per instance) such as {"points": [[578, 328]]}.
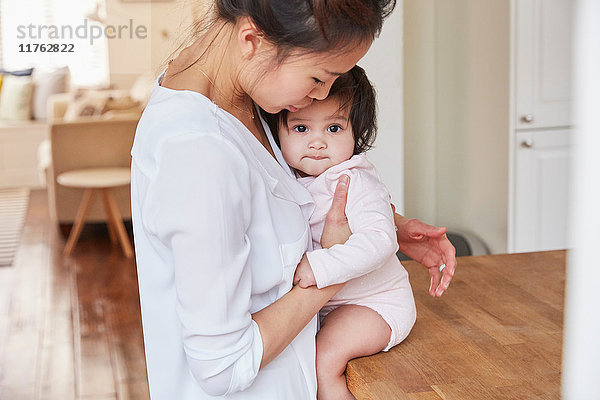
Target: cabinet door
{"points": [[543, 31], [542, 186]]}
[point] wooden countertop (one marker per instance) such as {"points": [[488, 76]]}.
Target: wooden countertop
{"points": [[495, 334]]}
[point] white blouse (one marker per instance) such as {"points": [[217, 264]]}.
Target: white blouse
{"points": [[219, 227]]}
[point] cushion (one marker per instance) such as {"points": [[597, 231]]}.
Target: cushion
{"points": [[15, 97], [86, 104], [120, 104], [21, 72], [47, 83]]}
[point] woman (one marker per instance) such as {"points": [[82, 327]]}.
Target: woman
{"points": [[220, 223]]}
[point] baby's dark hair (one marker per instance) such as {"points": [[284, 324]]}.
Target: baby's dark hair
{"points": [[355, 91]]}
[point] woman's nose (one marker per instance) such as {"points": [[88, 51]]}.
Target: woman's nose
{"points": [[320, 92]]}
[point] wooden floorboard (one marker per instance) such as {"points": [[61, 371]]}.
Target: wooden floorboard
{"points": [[70, 326]]}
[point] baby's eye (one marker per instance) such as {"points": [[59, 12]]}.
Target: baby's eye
{"points": [[334, 128], [301, 129]]}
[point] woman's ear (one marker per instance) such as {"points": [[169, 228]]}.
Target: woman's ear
{"points": [[250, 38]]}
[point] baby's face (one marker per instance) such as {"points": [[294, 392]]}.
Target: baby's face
{"points": [[317, 137]]}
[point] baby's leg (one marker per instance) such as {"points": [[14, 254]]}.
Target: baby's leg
{"points": [[347, 332]]}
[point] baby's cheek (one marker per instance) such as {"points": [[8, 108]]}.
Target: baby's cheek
{"points": [[289, 151]]}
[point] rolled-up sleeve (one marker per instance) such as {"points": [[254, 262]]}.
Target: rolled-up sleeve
{"points": [[373, 238], [200, 211]]}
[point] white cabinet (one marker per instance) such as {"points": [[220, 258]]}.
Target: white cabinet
{"points": [[541, 188], [541, 131], [542, 59]]}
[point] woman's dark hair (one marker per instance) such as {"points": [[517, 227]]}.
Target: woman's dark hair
{"points": [[310, 25], [355, 91], [314, 25]]}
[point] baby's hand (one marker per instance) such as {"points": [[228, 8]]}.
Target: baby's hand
{"points": [[304, 275]]}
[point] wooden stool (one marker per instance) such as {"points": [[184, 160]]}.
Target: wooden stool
{"points": [[103, 179]]}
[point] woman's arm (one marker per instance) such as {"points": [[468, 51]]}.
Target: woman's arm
{"points": [[280, 322], [200, 225]]}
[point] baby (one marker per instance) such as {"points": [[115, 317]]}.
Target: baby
{"points": [[376, 309]]}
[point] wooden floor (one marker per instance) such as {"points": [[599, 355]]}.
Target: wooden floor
{"points": [[69, 326]]}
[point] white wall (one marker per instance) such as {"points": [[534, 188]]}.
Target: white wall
{"points": [[456, 105], [129, 57], [419, 109], [383, 64]]}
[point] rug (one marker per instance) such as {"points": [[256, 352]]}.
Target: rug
{"points": [[13, 207]]}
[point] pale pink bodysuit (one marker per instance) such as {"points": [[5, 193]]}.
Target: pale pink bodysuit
{"points": [[368, 261]]}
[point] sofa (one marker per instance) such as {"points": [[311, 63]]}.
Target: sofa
{"points": [[86, 144]]}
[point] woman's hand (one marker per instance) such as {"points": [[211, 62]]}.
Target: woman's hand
{"points": [[429, 246], [336, 229]]}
